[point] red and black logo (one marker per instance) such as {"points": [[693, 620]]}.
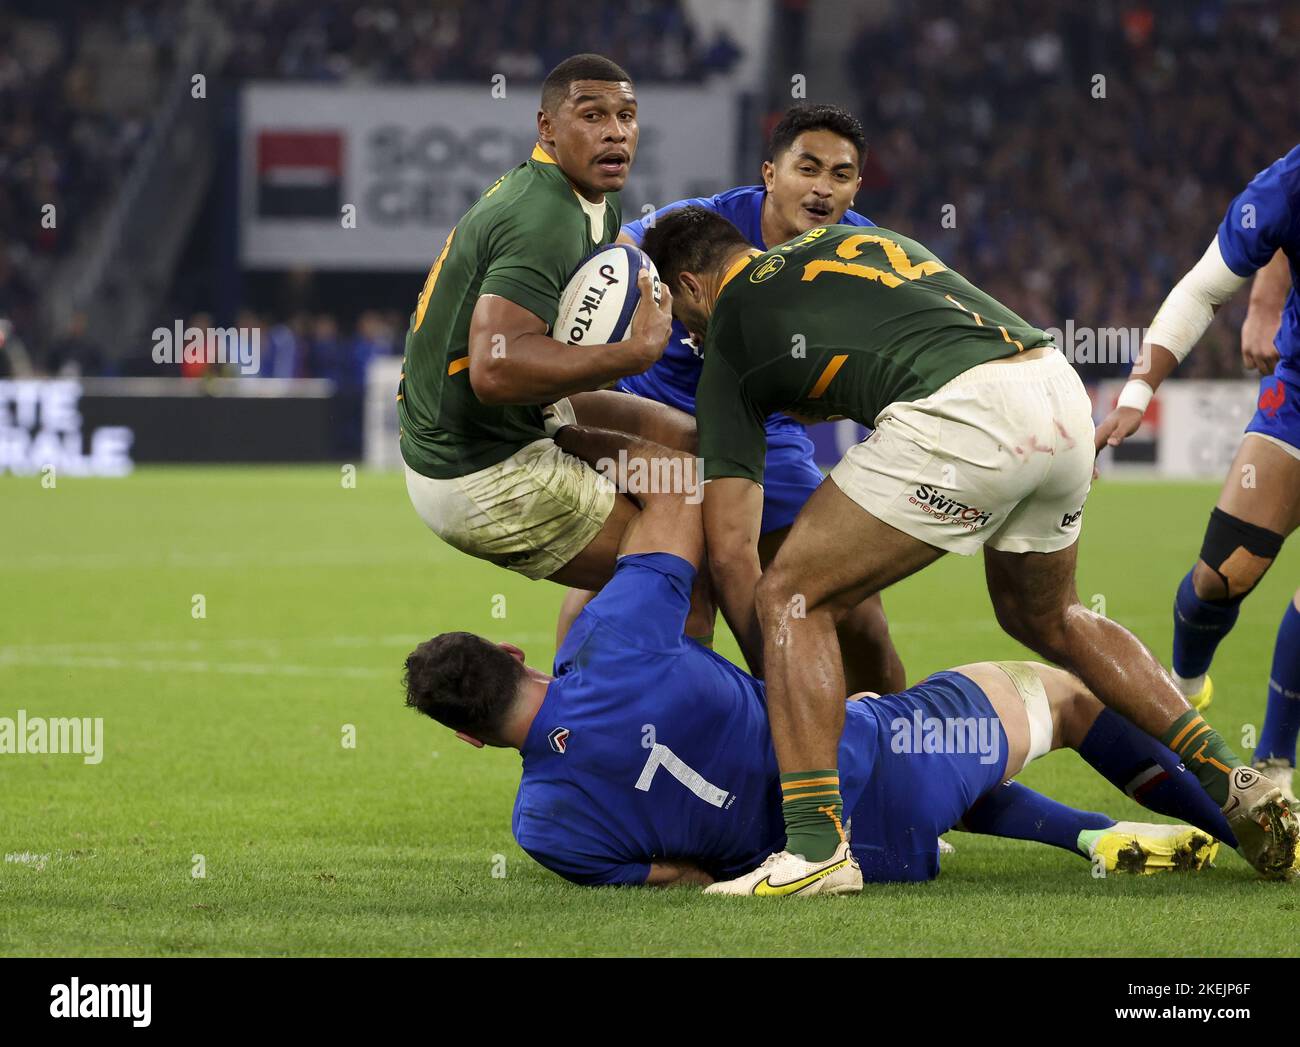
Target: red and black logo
{"points": [[299, 174], [1271, 398], [559, 739], [946, 509]]}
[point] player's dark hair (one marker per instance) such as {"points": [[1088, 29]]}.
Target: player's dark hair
{"points": [[555, 88], [801, 118], [690, 240], [464, 682]]}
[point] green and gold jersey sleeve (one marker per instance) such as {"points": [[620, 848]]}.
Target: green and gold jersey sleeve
{"points": [[523, 264], [520, 240], [732, 434]]}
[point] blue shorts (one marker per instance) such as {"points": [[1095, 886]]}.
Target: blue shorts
{"points": [[789, 475], [911, 765], [1277, 413]]}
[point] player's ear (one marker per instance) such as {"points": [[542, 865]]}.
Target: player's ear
{"points": [[517, 653], [690, 284], [545, 130], [470, 739], [769, 175]]}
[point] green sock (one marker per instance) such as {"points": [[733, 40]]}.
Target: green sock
{"points": [[813, 811], [1203, 753]]}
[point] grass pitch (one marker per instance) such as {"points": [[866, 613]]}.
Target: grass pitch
{"points": [[224, 738]]}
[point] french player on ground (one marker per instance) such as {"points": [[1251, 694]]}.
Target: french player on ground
{"points": [[647, 758], [1259, 506], [982, 440], [810, 178]]}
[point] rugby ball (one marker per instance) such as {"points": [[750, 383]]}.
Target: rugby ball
{"points": [[601, 296]]}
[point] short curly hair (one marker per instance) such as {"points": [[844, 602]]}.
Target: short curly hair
{"points": [[801, 118], [464, 682], [689, 240]]}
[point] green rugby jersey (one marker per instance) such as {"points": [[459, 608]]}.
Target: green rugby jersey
{"points": [[520, 240], [839, 323]]}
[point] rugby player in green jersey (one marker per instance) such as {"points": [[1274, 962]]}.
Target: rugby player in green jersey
{"points": [[982, 440], [480, 370]]}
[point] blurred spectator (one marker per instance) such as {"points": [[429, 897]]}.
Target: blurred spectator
{"points": [[74, 352], [63, 149], [1075, 159], [413, 40]]}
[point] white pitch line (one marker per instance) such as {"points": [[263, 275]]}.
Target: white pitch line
{"points": [[255, 642], [305, 558], [171, 666]]}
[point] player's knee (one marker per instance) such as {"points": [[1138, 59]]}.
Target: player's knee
{"points": [[1011, 617], [1206, 583], [1074, 707], [1234, 557], [777, 596], [1043, 631]]}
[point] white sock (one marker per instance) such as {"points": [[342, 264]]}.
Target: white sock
{"points": [[1189, 685]]}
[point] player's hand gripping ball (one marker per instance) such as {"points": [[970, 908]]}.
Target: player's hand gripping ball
{"points": [[602, 296]]}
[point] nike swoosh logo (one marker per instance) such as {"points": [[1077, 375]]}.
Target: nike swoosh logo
{"points": [[765, 887]]}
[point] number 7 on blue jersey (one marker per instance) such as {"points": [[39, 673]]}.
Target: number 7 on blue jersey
{"points": [[662, 756]]}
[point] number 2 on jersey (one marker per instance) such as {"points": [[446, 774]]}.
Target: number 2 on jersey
{"points": [[851, 247], [662, 756]]}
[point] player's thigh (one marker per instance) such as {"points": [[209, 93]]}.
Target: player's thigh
{"points": [[1263, 485], [1037, 704], [531, 513], [1030, 591], [837, 553], [638, 415], [947, 469], [1049, 516], [593, 566]]}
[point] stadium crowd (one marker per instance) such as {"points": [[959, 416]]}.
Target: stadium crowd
{"points": [[65, 141], [408, 41], [1072, 198]]}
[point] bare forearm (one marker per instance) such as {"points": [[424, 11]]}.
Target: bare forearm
{"points": [[1154, 364], [734, 581], [536, 369], [1269, 289]]}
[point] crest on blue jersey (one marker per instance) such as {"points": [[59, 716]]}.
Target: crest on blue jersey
{"points": [[559, 739]]}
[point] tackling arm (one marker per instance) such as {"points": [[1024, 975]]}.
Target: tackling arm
{"points": [[733, 515]]}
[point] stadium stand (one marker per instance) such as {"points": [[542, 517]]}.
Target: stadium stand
{"points": [[1067, 206]]}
